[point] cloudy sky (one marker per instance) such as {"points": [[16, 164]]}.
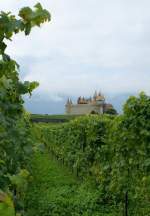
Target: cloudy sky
{"points": [[89, 45]]}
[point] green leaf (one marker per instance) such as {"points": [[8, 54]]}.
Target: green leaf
{"points": [[28, 28], [2, 47], [38, 6], [7, 83], [26, 13]]}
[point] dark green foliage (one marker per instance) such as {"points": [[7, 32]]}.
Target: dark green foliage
{"points": [[111, 111], [15, 130]]}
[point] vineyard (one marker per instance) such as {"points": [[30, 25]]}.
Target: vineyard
{"points": [[94, 165], [110, 152]]}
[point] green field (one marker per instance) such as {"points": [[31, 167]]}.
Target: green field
{"points": [[54, 117]]}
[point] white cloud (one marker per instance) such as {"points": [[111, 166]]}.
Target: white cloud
{"points": [[110, 38], [81, 81]]}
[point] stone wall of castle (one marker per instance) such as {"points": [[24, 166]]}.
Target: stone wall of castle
{"points": [[87, 106], [80, 109]]}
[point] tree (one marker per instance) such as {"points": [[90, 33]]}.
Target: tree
{"points": [[94, 112], [111, 111]]}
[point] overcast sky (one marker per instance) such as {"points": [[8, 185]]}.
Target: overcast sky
{"points": [[89, 45]]}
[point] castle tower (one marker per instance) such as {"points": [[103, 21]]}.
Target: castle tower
{"points": [[79, 100], [70, 102], [100, 101], [68, 106], [95, 95]]}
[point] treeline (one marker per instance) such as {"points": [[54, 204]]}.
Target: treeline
{"points": [[112, 151]]}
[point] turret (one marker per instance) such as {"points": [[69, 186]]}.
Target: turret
{"points": [[100, 97], [79, 100], [95, 95], [70, 102], [68, 106]]}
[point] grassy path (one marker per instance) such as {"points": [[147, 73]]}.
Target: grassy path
{"points": [[55, 192]]}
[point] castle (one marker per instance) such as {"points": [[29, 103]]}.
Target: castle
{"points": [[92, 105]]}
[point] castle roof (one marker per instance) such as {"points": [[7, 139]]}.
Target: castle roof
{"points": [[69, 102], [100, 97], [97, 97]]}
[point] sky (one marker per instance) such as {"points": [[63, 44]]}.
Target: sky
{"points": [[89, 45]]}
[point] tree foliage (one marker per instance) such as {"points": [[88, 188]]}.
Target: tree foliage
{"points": [[15, 135], [111, 111]]}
